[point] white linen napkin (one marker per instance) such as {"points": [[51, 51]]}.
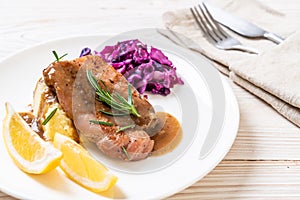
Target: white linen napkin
{"points": [[273, 75]]}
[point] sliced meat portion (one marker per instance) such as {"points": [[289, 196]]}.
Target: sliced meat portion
{"points": [[78, 99]]}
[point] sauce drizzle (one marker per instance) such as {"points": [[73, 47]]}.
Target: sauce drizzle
{"points": [[169, 135]]}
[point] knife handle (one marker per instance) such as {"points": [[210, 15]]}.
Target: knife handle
{"points": [[273, 37]]}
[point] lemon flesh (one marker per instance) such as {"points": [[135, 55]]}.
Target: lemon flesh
{"points": [[81, 167], [30, 152]]}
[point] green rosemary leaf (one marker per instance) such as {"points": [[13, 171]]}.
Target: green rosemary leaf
{"points": [[92, 80], [115, 100], [125, 127], [63, 56], [114, 114], [56, 56], [49, 116], [129, 95], [121, 99], [101, 122], [126, 153], [134, 111]]}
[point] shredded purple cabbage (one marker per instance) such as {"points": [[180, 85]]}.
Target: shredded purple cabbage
{"points": [[152, 72]]}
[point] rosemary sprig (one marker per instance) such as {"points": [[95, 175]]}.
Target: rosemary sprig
{"points": [[126, 152], [57, 57], [129, 96], [49, 116], [101, 122], [113, 114], [125, 127], [115, 100]]}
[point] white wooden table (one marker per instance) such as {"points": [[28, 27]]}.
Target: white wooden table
{"points": [[264, 162]]}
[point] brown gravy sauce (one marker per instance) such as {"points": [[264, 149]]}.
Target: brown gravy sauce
{"points": [[169, 136], [33, 122]]}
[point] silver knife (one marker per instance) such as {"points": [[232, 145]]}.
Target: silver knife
{"points": [[240, 25]]}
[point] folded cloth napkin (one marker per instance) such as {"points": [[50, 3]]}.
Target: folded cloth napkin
{"points": [[273, 75]]}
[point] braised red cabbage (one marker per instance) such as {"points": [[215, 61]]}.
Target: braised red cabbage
{"points": [[146, 71]]}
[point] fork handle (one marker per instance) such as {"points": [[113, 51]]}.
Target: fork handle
{"points": [[246, 49], [273, 37]]}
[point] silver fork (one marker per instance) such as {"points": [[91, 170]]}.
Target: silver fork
{"points": [[214, 32]]}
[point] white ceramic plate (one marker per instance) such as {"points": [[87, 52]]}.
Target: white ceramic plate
{"points": [[194, 105]]}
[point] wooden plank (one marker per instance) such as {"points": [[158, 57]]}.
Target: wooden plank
{"points": [[256, 115], [263, 133], [7, 198], [4, 196], [247, 180]]}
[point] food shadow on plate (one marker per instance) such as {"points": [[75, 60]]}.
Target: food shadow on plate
{"points": [[54, 179], [58, 182]]}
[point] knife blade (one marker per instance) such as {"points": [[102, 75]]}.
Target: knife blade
{"points": [[240, 25]]}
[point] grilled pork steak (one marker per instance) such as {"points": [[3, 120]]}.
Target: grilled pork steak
{"points": [[78, 99]]}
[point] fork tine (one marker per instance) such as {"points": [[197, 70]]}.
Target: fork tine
{"points": [[203, 25], [215, 28], [218, 29], [214, 32], [199, 20]]}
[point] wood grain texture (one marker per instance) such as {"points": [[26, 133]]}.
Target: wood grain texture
{"points": [[264, 161], [247, 180]]}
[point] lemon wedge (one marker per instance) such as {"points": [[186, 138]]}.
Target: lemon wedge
{"points": [[81, 167], [30, 152], [59, 123]]}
